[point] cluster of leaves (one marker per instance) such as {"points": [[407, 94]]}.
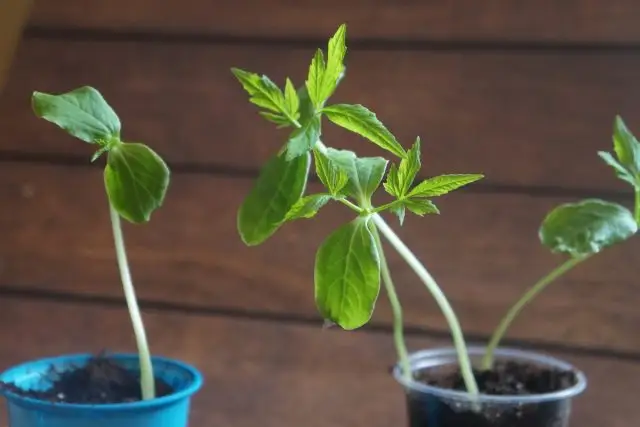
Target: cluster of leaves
{"points": [[136, 178], [347, 265], [585, 228]]}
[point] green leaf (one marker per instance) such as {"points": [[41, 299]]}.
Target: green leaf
{"points": [[347, 275], [315, 78], [291, 100], [364, 173], [307, 110], [358, 119], [276, 118], [136, 180], [620, 171], [302, 140], [586, 227], [280, 184], [626, 147], [337, 50], [308, 207], [443, 184], [323, 78], [400, 179], [334, 178], [264, 93], [420, 207], [399, 210], [83, 113]]}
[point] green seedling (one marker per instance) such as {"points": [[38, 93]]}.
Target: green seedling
{"points": [[136, 181], [351, 262], [581, 230]]}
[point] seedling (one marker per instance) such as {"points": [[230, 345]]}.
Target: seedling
{"points": [[136, 181], [581, 230], [351, 263]]}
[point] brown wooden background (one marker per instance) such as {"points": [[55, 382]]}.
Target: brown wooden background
{"points": [[524, 92]]}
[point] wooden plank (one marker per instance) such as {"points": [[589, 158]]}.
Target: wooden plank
{"points": [[483, 250], [13, 15], [519, 118], [501, 20], [276, 375]]}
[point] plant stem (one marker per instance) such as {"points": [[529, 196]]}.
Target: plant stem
{"points": [[456, 331], [396, 309], [487, 360], [147, 382], [350, 205]]}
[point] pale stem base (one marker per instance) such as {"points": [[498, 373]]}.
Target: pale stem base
{"points": [[147, 382]]}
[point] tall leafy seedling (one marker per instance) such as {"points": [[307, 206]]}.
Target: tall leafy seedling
{"points": [[135, 178], [350, 264], [578, 231]]}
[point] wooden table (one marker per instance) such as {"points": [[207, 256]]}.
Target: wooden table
{"points": [[524, 94]]}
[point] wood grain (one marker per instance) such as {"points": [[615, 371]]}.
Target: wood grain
{"points": [[495, 20], [13, 15], [522, 119], [274, 375], [483, 250]]}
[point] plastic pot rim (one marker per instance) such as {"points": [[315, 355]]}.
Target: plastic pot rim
{"points": [[431, 358], [78, 358]]}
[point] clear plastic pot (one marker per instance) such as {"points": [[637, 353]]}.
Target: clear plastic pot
{"points": [[430, 406]]}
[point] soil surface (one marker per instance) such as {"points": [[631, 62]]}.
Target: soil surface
{"points": [[101, 381], [507, 378]]}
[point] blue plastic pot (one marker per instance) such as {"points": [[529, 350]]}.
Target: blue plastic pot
{"points": [[167, 411]]}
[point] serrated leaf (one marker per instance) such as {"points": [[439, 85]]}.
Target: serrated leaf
{"points": [[315, 79], [620, 171], [136, 180], [400, 179], [276, 118], [332, 177], [308, 207], [399, 210], [336, 52], [587, 227], [347, 275], [443, 184], [82, 112], [291, 100], [358, 119], [280, 185], [420, 207], [364, 173], [263, 92], [307, 110], [626, 147], [302, 140]]}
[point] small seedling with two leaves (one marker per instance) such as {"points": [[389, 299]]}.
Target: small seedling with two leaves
{"points": [[581, 230], [136, 180], [350, 264]]}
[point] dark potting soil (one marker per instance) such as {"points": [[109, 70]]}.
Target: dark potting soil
{"points": [[508, 378], [101, 381]]}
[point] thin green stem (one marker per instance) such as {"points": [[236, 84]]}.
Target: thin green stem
{"points": [[456, 331], [384, 207], [147, 382], [396, 309], [351, 205], [487, 360]]}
